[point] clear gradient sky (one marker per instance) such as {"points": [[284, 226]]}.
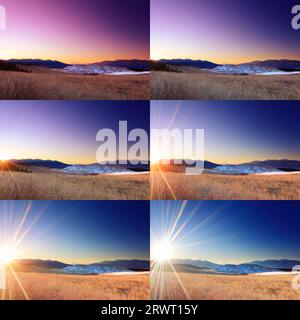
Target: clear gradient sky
{"points": [[236, 131], [76, 31], [78, 231], [231, 231], [64, 130], [231, 31]]}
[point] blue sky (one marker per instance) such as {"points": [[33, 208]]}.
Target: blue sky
{"points": [[231, 31], [64, 130], [236, 131], [230, 231], [78, 231]]}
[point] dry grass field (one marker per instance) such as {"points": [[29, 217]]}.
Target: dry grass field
{"points": [[46, 286], [50, 185], [49, 85], [207, 85], [229, 287], [177, 185]]}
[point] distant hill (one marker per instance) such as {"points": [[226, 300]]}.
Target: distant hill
{"points": [[37, 265], [279, 264], [282, 64], [282, 164], [51, 164], [202, 266], [133, 64], [244, 268], [203, 64], [129, 264], [8, 166], [9, 66], [53, 64]]}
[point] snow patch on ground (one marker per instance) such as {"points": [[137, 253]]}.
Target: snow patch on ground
{"points": [[124, 73], [91, 269], [95, 69], [278, 173], [129, 172], [279, 72], [99, 169], [241, 269], [245, 169], [241, 69], [274, 273], [249, 69]]}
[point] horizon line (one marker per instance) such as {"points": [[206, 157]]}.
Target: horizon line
{"points": [[251, 61]]}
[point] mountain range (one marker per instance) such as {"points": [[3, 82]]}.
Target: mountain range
{"points": [[37, 265], [267, 67], [85, 169], [113, 65], [51, 164], [261, 266], [53, 64], [272, 166], [283, 166]]}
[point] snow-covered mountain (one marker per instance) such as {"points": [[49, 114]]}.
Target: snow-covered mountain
{"points": [[93, 169], [242, 69], [250, 69], [92, 269], [264, 266], [129, 264], [279, 264], [98, 68], [108, 267], [282, 64], [245, 169], [242, 269], [282, 164]]}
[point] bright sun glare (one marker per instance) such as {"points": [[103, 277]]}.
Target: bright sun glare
{"points": [[7, 254], [4, 156], [162, 251], [155, 157]]}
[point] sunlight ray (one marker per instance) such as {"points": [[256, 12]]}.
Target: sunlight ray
{"points": [[19, 283], [180, 282], [22, 222], [167, 183]]}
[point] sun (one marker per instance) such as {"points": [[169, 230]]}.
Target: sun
{"points": [[7, 255], [4, 156], [154, 157], [162, 251]]}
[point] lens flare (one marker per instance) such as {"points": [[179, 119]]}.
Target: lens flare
{"points": [[162, 251], [7, 255], [4, 156]]}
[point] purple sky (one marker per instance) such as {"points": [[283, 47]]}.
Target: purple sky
{"points": [[76, 31], [231, 31]]}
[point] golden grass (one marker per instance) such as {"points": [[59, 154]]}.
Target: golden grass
{"points": [[229, 287], [62, 86], [223, 187], [47, 185], [212, 86], [45, 286]]}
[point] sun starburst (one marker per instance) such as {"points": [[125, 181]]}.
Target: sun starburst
{"points": [[13, 232], [173, 232]]}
